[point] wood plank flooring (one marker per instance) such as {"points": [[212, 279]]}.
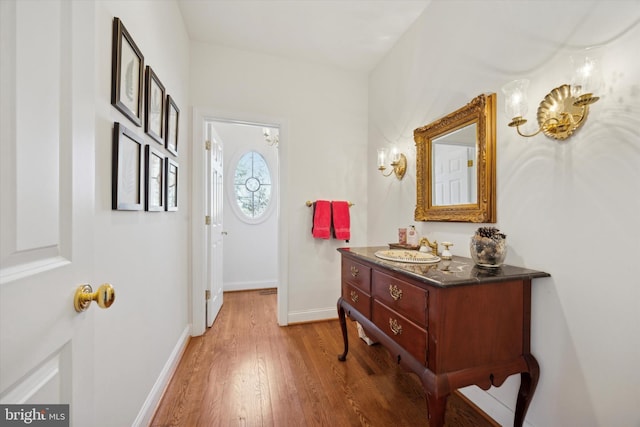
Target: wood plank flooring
{"points": [[248, 371]]}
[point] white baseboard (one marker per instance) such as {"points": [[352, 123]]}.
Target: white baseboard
{"points": [[312, 315], [496, 409], [247, 286], [153, 399]]}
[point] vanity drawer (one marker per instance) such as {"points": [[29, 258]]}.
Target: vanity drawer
{"points": [[356, 274], [403, 331], [403, 297], [360, 300]]}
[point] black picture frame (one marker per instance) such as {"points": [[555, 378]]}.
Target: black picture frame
{"points": [[171, 188], [127, 74], [126, 170], [172, 126], [154, 180], [154, 123]]}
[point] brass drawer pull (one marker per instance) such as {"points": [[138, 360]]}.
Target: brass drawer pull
{"points": [[395, 327], [354, 296], [395, 292], [354, 271]]}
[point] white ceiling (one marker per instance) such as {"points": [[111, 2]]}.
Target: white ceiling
{"points": [[351, 34]]}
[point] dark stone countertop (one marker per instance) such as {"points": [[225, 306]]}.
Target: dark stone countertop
{"points": [[458, 271]]}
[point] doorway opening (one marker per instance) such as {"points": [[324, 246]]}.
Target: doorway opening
{"points": [[250, 201], [252, 245]]}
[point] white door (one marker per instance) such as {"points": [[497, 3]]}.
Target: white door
{"points": [[451, 174], [215, 232], [47, 129]]}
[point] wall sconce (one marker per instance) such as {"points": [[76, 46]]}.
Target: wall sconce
{"points": [[398, 162], [564, 109]]}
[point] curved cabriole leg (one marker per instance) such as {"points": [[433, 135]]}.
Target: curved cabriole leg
{"points": [[528, 383], [436, 407], [343, 325]]}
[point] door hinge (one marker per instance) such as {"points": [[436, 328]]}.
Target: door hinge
{"points": [[207, 294], [207, 145], [470, 163], [207, 220]]}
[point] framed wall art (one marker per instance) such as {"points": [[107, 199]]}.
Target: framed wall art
{"points": [[154, 123], [171, 197], [127, 74], [154, 179], [126, 184], [173, 114]]}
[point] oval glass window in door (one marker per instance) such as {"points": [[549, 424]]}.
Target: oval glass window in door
{"points": [[252, 185]]}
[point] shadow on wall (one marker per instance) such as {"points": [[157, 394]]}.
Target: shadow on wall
{"points": [[560, 368]]}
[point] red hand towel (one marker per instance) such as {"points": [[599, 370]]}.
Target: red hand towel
{"points": [[341, 220], [321, 219]]}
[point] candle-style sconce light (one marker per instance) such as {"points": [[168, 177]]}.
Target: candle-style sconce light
{"points": [[398, 162], [563, 110]]}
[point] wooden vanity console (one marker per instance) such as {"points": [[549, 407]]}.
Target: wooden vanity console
{"points": [[451, 323]]}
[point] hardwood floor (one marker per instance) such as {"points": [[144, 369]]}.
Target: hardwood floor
{"points": [[248, 371]]}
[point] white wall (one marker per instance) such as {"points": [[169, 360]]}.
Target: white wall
{"points": [[250, 249], [322, 153], [569, 208], [143, 254]]}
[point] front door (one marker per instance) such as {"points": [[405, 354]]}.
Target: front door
{"points": [[47, 129], [215, 232]]}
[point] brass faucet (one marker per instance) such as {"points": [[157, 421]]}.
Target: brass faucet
{"points": [[434, 246]]}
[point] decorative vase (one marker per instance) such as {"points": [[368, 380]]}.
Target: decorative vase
{"points": [[488, 247]]}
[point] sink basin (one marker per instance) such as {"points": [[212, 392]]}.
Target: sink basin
{"points": [[403, 255]]}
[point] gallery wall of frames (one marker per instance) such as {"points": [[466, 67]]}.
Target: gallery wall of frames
{"points": [[144, 176]]}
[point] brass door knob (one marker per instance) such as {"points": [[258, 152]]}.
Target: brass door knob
{"points": [[104, 296]]}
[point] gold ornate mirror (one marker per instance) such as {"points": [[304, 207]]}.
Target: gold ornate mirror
{"points": [[456, 164]]}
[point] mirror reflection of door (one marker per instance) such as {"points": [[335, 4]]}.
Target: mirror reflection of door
{"points": [[453, 175], [454, 168]]}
